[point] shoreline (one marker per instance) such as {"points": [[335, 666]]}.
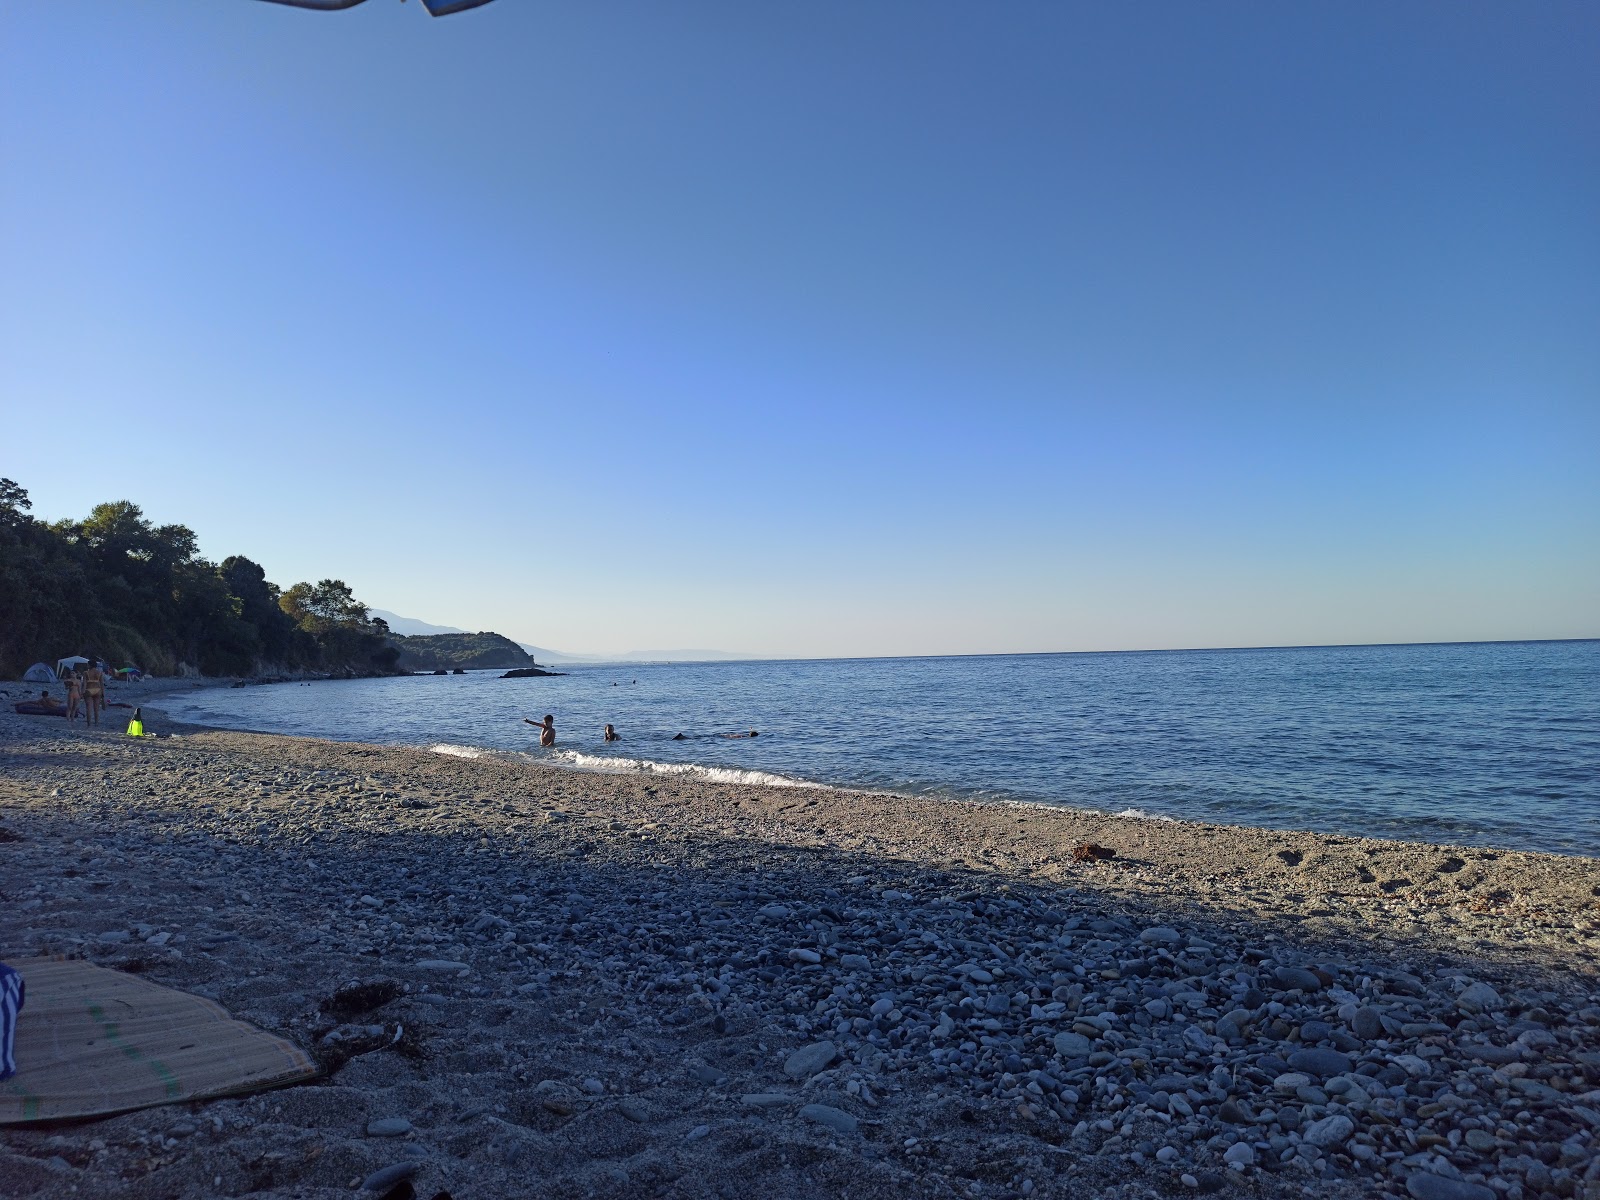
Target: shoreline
{"points": [[638, 960], [644, 766]]}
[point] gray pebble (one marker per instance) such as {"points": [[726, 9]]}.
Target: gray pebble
{"points": [[1367, 1023], [1297, 977], [384, 1179], [808, 1060], [835, 1119], [1322, 1063], [387, 1127], [766, 1099], [1424, 1185], [1072, 1045], [1330, 1131]]}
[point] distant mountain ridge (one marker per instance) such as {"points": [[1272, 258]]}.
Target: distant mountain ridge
{"points": [[411, 627]]}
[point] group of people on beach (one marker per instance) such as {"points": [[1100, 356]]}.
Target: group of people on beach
{"points": [[547, 732], [86, 692]]}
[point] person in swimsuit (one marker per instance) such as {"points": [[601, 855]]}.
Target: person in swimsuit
{"points": [[94, 693], [48, 701], [74, 684], [611, 734], [547, 730]]}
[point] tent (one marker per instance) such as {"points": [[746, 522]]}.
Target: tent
{"points": [[64, 665], [39, 673]]}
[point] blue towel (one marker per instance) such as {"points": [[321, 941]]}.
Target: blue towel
{"points": [[12, 993]]}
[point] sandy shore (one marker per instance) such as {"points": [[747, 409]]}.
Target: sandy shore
{"points": [[633, 987]]}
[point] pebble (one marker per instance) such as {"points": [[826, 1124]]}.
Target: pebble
{"points": [[1424, 1185], [1058, 1013], [766, 1099], [1478, 997], [1161, 935], [1297, 977], [1322, 1063], [1367, 1023], [1330, 1131], [1072, 1045], [808, 1060], [835, 1119], [1240, 1154], [385, 1178]]}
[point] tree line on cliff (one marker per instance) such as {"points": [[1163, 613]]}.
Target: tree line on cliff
{"points": [[116, 586]]}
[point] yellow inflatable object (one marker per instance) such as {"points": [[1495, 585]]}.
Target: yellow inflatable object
{"points": [[136, 726]]}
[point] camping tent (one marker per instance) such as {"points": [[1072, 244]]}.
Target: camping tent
{"points": [[63, 665], [39, 673]]}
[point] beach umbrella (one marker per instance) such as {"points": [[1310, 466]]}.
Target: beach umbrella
{"points": [[63, 665], [436, 8]]}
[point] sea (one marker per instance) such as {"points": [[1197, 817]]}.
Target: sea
{"points": [[1478, 744]]}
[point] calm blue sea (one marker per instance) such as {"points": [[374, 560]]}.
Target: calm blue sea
{"points": [[1493, 744]]}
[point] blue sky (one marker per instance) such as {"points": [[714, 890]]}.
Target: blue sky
{"points": [[827, 329]]}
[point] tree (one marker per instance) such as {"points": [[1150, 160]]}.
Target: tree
{"points": [[117, 586], [346, 636]]}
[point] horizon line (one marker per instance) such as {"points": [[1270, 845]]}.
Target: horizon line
{"points": [[760, 658]]}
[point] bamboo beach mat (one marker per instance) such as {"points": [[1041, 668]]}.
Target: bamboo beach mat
{"points": [[91, 1042]]}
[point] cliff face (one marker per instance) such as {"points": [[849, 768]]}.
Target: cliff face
{"points": [[446, 651]]}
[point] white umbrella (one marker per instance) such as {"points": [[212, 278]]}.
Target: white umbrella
{"points": [[66, 664]]}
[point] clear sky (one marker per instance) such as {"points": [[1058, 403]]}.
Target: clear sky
{"points": [[826, 329]]}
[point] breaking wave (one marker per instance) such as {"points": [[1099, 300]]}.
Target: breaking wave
{"points": [[1140, 814], [645, 766], [456, 751]]}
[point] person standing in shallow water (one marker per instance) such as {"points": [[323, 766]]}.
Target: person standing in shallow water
{"points": [[547, 730]]}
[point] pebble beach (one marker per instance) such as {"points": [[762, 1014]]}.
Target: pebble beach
{"points": [[522, 980]]}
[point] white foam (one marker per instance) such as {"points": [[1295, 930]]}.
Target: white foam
{"points": [[456, 751], [645, 766], [1139, 814]]}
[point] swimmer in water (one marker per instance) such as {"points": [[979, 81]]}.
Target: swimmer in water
{"points": [[547, 730], [752, 733], [611, 734]]}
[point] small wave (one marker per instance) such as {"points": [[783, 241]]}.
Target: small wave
{"points": [[456, 751], [1140, 815], [645, 766]]}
